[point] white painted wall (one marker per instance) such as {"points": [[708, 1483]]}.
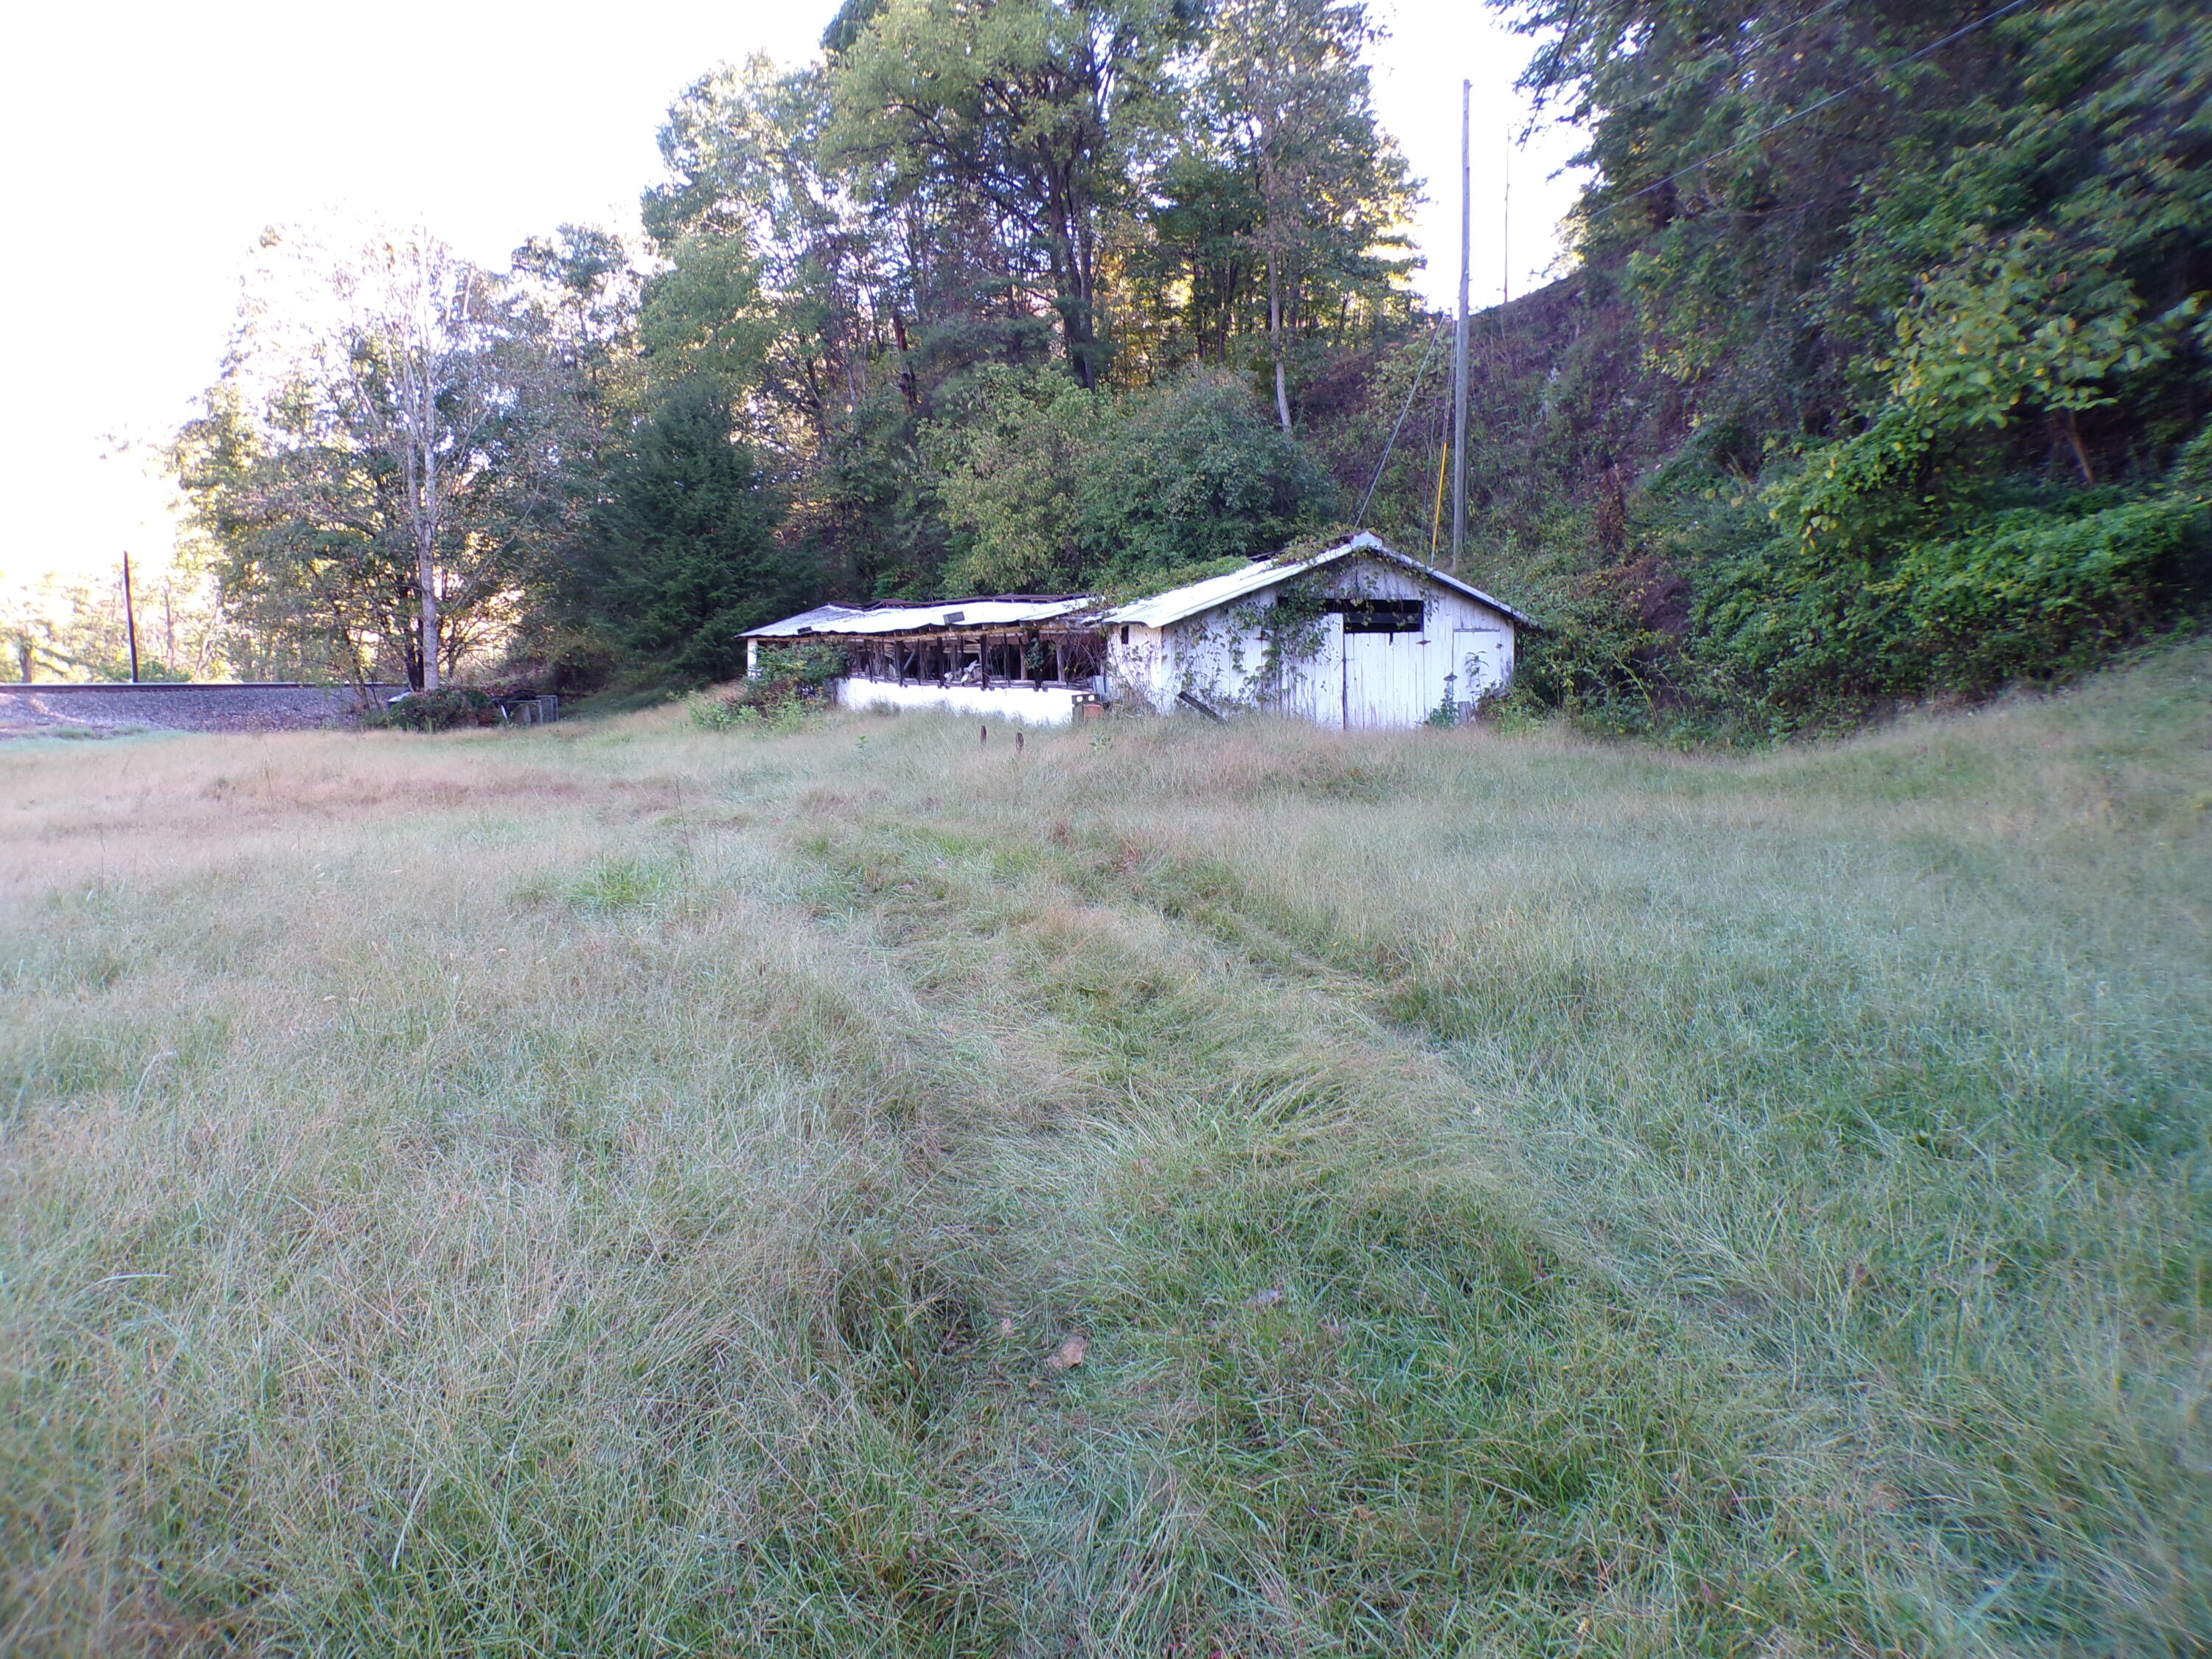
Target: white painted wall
{"points": [[1137, 668], [1031, 705], [1371, 680]]}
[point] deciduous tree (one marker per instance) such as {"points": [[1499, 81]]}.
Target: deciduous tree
{"points": [[392, 427], [1042, 113], [1285, 88]]}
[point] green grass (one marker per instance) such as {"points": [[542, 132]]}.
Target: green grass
{"points": [[618, 1188]]}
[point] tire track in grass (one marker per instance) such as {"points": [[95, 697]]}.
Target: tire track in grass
{"points": [[1896, 1266], [1340, 1392]]}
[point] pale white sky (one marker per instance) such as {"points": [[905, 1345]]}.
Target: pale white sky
{"points": [[144, 146]]}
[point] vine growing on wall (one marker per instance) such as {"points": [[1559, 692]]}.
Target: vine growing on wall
{"points": [[1295, 627]]}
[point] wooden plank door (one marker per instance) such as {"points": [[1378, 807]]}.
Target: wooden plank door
{"points": [[1384, 685]]}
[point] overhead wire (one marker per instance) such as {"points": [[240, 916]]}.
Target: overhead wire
{"points": [[1360, 518]]}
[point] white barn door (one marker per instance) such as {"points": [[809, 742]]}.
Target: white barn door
{"points": [[1384, 685]]}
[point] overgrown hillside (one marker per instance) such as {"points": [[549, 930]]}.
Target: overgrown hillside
{"points": [[1884, 370], [634, 1189]]}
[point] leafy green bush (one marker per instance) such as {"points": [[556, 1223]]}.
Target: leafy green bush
{"points": [[441, 710], [2029, 594], [1052, 488], [1194, 470], [792, 680]]}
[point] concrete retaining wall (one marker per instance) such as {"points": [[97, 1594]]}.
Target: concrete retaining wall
{"points": [[211, 707]]}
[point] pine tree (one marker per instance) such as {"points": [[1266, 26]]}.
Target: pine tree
{"points": [[685, 543]]}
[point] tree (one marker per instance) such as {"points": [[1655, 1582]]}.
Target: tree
{"points": [[1206, 221], [1774, 184], [301, 524], [1013, 490], [704, 315], [1192, 472], [414, 370], [1899, 316], [1042, 113], [1287, 93], [1056, 489], [574, 359], [683, 544], [392, 427]]}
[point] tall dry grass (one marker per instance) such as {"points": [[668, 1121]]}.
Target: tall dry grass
{"points": [[629, 1188]]}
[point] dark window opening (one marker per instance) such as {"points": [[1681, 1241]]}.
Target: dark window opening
{"points": [[1379, 616], [1125, 633]]}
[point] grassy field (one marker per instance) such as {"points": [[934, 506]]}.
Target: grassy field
{"points": [[626, 1189]]}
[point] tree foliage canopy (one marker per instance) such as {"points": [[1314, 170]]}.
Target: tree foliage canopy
{"points": [[1888, 330], [1879, 308]]}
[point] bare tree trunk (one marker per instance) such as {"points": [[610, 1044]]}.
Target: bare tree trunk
{"points": [[428, 576], [1275, 334], [2072, 429], [426, 560]]}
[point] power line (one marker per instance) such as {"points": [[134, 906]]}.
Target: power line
{"points": [[1359, 520]]}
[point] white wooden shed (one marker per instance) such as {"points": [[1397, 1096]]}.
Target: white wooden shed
{"points": [[1357, 636]]}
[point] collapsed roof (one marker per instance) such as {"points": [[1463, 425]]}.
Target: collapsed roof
{"points": [[905, 616]]}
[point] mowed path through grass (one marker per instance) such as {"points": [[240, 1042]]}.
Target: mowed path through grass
{"points": [[623, 1188]]}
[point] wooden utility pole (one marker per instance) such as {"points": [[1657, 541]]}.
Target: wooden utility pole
{"points": [[1506, 233], [130, 619], [1459, 342]]}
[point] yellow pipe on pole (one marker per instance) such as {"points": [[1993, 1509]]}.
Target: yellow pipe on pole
{"points": [[1436, 519]]}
